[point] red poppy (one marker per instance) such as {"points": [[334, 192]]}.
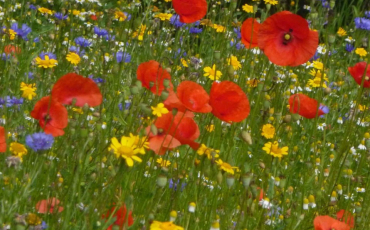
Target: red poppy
{"points": [[249, 33], [358, 71], [93, 17], [50, 205], [76, 87], [173, 102], [329, 223], [120, 216], [10, 49], [305, 106], [151, 75], [2, 140], [346, 217], [286, 39], [193, 97], [52, 116], [190, 10], [229, 102]]}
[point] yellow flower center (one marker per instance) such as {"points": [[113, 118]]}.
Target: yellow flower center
{"points": [[126, 151], [287, 37], [167, 226], [274, 148]]}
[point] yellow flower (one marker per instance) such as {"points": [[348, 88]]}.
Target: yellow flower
{"points": [[12, 34], [233, 61], [268, 131], [361, 51], [73, 58], [156, 225], [44, 10], [210, 153], [46, 63], [362, 107], [78, 110], [274, 150], [272, 2], [121, 16], [17, 149], [163, 163], [76, 12], [210, 128], [33, 219], [253, 82], [211, 73], [28, 90], [128, 148], [159, 110], [226, 166], [341, 32], [318, 78], [248, 8], [219, 28], [163, 16], [184, 62], [318, 65]]}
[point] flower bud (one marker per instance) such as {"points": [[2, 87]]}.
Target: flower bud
{"points": [[230, 180], [161, 181]]}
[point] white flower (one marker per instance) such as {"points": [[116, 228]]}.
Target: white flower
{"points": [[340, 120], [265, 203], [361, 146], [362, 190]]}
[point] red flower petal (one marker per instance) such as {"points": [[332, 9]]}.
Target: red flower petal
{"points": [[161, 143], [2, 140], [229, 102], [10, 49], [186, 130], [295, 51], [190, 10], [358, 71], [346, 217], [249, 33], [304, 106], [194, 97], [52, 116], [48, 206], [151, 72], [329, 223], [120, 216], [73, 86], [173, 102]]}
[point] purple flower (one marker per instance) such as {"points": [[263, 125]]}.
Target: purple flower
{"points": [[367, 14], [127, 105], [60, 16], [83, 42], [2, 102], [362, 23], [39, 141], [324, 108], [100, 32], [349, 48], [29, 75], [174, 184], [97, 80], [50, 55], [175, 20], [5, 57], [123, 57], [238, 33], [22, 32], [33, 7], [77, 50], [195, 30], [11, 101]]}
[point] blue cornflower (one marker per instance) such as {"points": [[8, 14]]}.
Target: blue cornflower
{"points": [[60, 16], [33, 7], [2, 102], [362, 23], [367, 14], [83, 42], [349, 47], [239, 45], [77, 50], [11, 101], [195, 30], [23, 31], [175, 20], [29, 75], [325, 4], [5, 56], [109, 37], [100, 32], [123, 57], [50, 55], [39, 141], [238, 33], [36, 39], [174, 184], [97, 80], [324, 108]]}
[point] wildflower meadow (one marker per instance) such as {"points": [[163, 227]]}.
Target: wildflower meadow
{"points": [[185, 114]]}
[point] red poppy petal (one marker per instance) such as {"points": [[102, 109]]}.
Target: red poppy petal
{"points": [[194, 97], [229, 102], [346, 217], [329, 223], [185, 129], [304, 106], [160, 144], [190, 10], [73, 86], [151, 72], [358, 71], [249, 33], [2, 140], [173, 102]]}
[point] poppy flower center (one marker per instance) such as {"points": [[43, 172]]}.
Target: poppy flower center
{"points": [[367, 78], [287, 37]]}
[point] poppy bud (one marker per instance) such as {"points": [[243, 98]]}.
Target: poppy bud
{"points": [[266, 104], [230, 180], [233, 5], [138, 84], [364, 42], [219, 177], [327, 90], [166, 82], [161, 181], [134, 90], [296, 116], [217, 55], [247, 137], [332, 4], [164, 95], [331, 38], [262, 165], [314, 15], [287, 118], [246, 179], [154, 129]]}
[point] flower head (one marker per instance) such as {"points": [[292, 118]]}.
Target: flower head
{"points": [[159, 110], [286, 39], [327, 222], [120, 215], [152, 75], [305, 106], [44, 10], [50, 205], [247, 8], [128, 148], [17, 149], [28, 90], [46, 60], [249, 33], [156, 225], [274, 150], [268, 131], [39, 141], [233, 61], [73, 58], [225, 166], [2, 140], [211, 73], [358, 73], [190, 10], [193, 97], [361, 52]]}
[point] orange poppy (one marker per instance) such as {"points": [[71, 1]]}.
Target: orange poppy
{"points": [[346, 217], [190, 10], [151, 75], [52, 116], [286, 39], [10, 49], [305, 106], [249, 33], [72, 87], [173, 102], [329, 223], [2, 140], [358, 71], [193, 97], [229, 102], [120, 216], [50, 205]]}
